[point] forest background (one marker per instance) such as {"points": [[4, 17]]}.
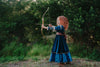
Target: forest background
{"points": [[20, 26]]}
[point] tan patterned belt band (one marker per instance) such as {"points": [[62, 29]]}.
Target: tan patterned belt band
{"points": [[59, 33]]}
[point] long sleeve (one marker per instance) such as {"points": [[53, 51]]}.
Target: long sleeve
{"points": [[52, 28], [57, 28]]}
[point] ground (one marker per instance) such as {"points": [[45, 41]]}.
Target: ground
{"points": [[77, 62]]}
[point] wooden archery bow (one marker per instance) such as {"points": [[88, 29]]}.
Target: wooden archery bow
{"points": [[43, 22]]}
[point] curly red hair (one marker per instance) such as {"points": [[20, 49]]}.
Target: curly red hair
{"points": [[64, 21]]}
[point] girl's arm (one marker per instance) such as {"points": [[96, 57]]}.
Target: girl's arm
{"points": [[51, 27], [44, 27]]}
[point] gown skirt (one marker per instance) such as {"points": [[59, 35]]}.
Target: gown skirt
{"points": [[60, 51]]}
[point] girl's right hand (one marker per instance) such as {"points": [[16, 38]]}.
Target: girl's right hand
{"points": [[50, 25]]}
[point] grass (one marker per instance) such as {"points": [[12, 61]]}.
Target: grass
{"points": [[9, 58], [36, 52], [40, 51], [83, 52]]}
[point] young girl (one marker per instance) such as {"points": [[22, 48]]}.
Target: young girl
{"points": [[60, 51]]}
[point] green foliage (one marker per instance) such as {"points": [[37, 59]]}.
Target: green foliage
{"points": [[10, 58], [83, 51], [18, 26], [14, 49], [83, 21], [17, 52], [40, 50]]}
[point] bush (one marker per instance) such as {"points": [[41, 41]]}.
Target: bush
{"points": [[40, 50], [14, 49], [83, 51]]}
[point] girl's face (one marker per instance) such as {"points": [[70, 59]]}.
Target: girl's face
{"points": [[58, 22]]}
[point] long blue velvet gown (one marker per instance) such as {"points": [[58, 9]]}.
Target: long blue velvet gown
{"points": [[60, 51]]}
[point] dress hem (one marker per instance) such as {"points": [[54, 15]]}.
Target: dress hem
{"points": [[60, 58]]}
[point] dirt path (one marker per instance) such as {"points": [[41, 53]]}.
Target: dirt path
{"points": [[45, 63]]}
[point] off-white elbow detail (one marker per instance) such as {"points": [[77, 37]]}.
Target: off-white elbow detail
{"points": [[53, 28]]}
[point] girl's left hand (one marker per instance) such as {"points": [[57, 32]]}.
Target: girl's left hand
{"points": [[42, 26]]}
